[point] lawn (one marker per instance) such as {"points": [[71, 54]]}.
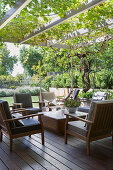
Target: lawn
{"points": [[11, 101]]}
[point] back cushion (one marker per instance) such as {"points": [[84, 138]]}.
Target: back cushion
{"points": [[90, 113], [25, 99], [68, 95], [76, 91], [7, 113], [49, 96], [99, 96]]}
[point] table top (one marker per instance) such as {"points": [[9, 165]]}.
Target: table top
{"points": [[59, 114]]}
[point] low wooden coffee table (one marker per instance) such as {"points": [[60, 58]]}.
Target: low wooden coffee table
{"points": [[55, 120]]}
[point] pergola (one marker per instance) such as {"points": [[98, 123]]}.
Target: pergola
{"points": [[14, 22], [31, 37]]}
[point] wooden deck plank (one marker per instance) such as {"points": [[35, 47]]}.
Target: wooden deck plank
{"points": [[19, 161], [54, 147], [28, 153], [22, 152], [34, 160], [3, 166], [53, 153], [42, 151], [8, 161], [78, 151]]}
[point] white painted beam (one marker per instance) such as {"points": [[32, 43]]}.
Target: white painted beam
{"points": [[84, 31], [89, 43], [68, 15], [19, 5]]}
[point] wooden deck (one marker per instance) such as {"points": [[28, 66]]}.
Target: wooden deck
{"points": [[28, 154]]}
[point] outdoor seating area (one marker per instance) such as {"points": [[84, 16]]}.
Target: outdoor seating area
{"points": [[56, 85], [55, 147]]}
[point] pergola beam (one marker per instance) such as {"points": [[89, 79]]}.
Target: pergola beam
{"points": [[19, 5], [64, 46], [68, 15], [84, 31]]}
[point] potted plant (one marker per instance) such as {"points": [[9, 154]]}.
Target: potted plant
{"points": [[71, 105]]}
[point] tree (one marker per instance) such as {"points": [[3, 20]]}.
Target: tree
{"points": [[92, 57], [6, 61], [30, 58]]}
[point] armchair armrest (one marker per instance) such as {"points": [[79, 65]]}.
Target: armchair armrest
{"points": [[78, 118], [23, 117], [37, 102], [19, 110], [17, 104], [60, 98]]}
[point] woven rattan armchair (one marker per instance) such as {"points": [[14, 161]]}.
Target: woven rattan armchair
{"points": [[18, 127], [98, 125]]}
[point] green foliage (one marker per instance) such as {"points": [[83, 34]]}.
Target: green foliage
{"points": [[54, 60], [108, 78], [64, 80], [2, 93], [111, 95], [6, 61], [104, 79], [46, 83], [30, 58], [71, 103], [87, 95], [36, 15], [10, 81]]}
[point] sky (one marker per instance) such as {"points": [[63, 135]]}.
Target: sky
{"points": [[14, 50]]}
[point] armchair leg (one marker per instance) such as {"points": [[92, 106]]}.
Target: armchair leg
{"points": [[1, 135], [42, 137], [65, 139], [112, 138], [11, 144], [88, 146], [65, 133]]}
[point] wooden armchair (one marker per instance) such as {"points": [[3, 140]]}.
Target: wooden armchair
{"points": [[48, 99], [22, 100], [72, 94], [99, 123], [18, 127]]}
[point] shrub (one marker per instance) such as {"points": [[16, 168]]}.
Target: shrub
{"points": [[9, 81], [2, 93], [87, 95], [46, 83], [64, 80], [10, 92]]}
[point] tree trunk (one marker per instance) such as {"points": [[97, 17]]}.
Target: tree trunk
{"points": [[86, 80], [87, 70]]}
